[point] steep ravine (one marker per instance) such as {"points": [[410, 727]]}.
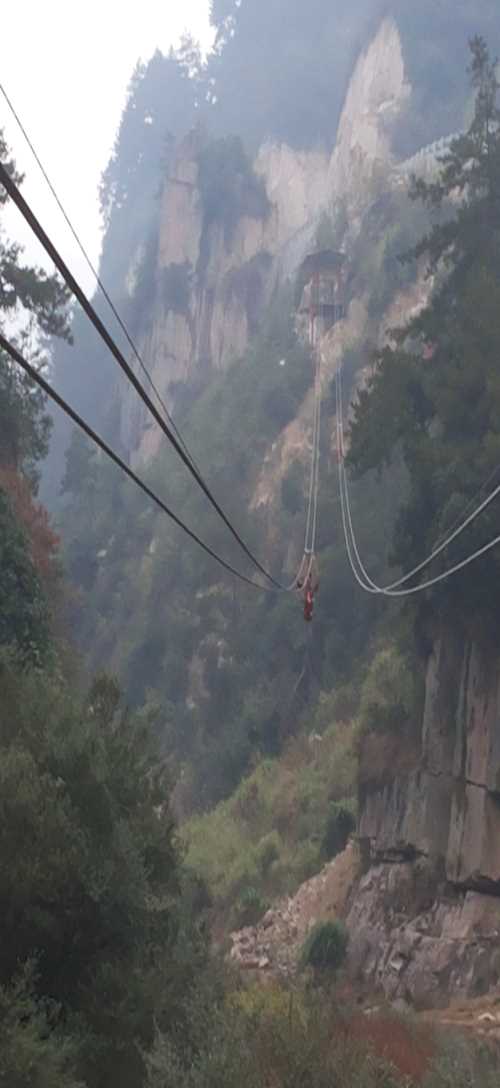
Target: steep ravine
{"points": [[424, 916]]}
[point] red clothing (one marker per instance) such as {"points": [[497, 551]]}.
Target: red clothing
{"points": [[308, 604]]}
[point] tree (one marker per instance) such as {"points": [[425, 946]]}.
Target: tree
{"points": [[299, 98], [27, 546], [91, 889], [28, 296], [31, 1052], [435, 392], [24, 610], [26, 291]]}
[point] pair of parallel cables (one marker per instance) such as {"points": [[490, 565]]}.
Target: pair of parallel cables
{"points": [[358, 568], [175, 439]]}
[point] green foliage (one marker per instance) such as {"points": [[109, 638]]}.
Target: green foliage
{"points": [[141, 305], [106, 522], [266, 1035], [392, 226], [24, 424], [463, 1062], [325, 947], [436, 71], [31, 1051], [391, 696], [228, 186], [433, 396], [267, 836], [24, 609], [340, 824], [249, 908], [27, 292], [90, 882], [160, 106], [28, 295]]}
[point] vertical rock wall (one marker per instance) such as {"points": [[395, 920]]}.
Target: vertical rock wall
{"points": [[232, 279], [426, 919]]}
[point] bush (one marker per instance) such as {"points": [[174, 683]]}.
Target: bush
{"points": [[262, 1036], [268, 851], [325, 947], [250, 907], [228, 186], [463, 1062], [389, 695], [91, 887], [340, 824], [31, 1051]]}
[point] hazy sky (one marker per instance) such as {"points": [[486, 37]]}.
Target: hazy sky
{"points": [[66, 67]]}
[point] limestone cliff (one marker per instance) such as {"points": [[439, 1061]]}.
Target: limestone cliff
{"points": [[227, 283], [224, 284], [426, 915]]}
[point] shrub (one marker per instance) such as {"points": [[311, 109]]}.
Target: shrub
{"points": [[389, 696], [268, 1036], [463, 1062], [325, 947], [340, 824], [31, 1051], [268, 851], [249, 907], [228, 186]]}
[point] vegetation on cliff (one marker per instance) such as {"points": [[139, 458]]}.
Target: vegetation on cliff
{"points": [[433, 396]]}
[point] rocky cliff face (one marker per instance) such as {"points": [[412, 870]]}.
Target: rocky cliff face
{"points": [[226, 283], [376, 98], [426, 916]]}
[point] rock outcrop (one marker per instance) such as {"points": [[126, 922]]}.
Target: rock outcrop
{"points": [[426, 917], [376, 97], [274, 944], [223, 282]]}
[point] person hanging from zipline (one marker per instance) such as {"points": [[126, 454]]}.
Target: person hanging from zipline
{"points": [[310, 589]]}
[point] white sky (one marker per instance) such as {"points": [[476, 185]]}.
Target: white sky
{"points": [[65, 67]]}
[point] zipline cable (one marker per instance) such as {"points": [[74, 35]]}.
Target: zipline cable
{"points": [[491, 476], [79, 294], [16, 356], [318, 442], [436, 551], [302, 575], [350, 539], [95, 273], [311, 522]]}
